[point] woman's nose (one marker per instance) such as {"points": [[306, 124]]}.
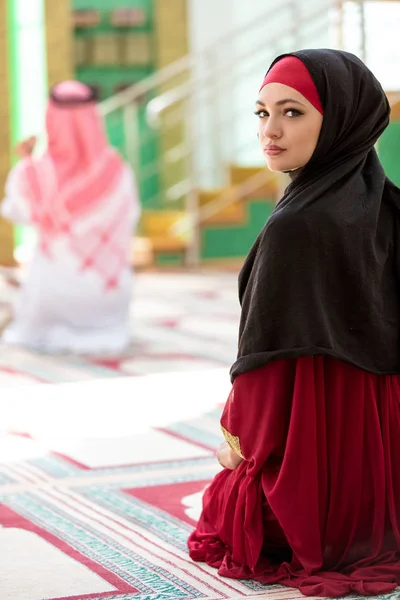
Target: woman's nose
{"points": [[270, 129]]}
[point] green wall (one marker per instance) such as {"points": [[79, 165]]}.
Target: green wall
{"points": [[229, 241], [123, 72], [389, 151]]}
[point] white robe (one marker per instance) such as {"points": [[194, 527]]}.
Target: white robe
{"points": [[62, 308]]}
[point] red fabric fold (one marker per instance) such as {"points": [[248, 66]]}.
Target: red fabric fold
{"points": [[316, 503]]}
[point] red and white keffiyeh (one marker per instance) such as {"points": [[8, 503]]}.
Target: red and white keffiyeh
{"points": [[78, 171]]}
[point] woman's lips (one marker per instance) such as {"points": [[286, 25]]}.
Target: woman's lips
{"points": [[273, 150]]}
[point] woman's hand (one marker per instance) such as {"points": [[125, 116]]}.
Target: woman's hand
{"points": [[227, 457], [25, 148]]}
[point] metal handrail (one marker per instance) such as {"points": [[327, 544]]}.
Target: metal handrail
{"points": [[129, 100], [137, 90], [208, 80], [184, 92], [190, 222], [229, 196], [181, 150], [160, 103]]}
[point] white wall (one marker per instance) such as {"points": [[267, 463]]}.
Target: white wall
{"points": [[382, 39], [210, 21]]}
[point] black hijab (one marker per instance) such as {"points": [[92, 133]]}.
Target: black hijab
{"points": [[323, 276]]}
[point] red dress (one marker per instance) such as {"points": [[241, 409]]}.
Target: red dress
{"points": [[315, 505]]}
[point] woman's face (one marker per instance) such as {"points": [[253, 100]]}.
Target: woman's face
{"points": [[289, 127]]}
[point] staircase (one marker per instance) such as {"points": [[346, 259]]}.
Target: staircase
{"points": [[230, 221], [207, 194]]}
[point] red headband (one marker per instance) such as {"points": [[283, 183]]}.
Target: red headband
{"points": [[291, 71]]}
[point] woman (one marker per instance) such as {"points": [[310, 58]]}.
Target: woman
{"points": [[81, 198], [310, 496]]}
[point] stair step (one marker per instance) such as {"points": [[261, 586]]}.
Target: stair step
{"points": [[156, 223], [234, 213], [269, 184], [168, 244], [394, 100], [156, 230], [157, 236]]}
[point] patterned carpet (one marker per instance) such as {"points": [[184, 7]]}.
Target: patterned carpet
{"points": [[101, 475], [174, 318]]}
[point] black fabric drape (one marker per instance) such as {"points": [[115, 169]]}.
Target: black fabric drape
{"points": [[323, 275]]}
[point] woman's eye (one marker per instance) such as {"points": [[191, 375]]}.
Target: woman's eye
{"points": [[292, 112], [261, 114]]}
